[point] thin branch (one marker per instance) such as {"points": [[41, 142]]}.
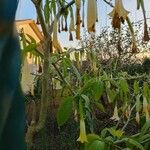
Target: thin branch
{"points": [[109, 3], [124, 127], [37, 4], [63, 79]]}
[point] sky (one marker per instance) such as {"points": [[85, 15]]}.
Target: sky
{"points": [[26, 10]]}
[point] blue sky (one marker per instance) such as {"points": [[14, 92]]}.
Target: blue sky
{"points": [[26, 10]]}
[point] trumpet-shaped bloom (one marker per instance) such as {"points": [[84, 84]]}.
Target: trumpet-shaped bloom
{"points": [[82, 138], [147, 116], [78, 18], [56, 43], [115, 117], [145, 105], [137, 118], [127, 112], [118, 14], [91, 15], [145, 109]]}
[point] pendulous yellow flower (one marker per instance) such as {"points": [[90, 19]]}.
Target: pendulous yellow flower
{"points": [[119, 14], [82, 138]]}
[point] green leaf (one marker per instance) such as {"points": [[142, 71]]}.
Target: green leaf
{"points": [[144, 137], [53, 3], [47, 11], [76, 55], [96, 145], [30, 48], [93, 137], [116, 133], [98, 90], [64, 111], [138, 103], [134, 143], [124, 85], [86, 99], [107, 84], [76, 72], [136, 87], [24, 43], [127, 148], [105, 76], [31, 39], [104, 132], [100, 106], [109, 139], [148, 95], [88, 86], [145, 89], [145, 128], [111, 95], [64, 66]]}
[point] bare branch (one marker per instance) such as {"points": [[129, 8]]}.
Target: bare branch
{"points": [[109, 3], [37, 4]]}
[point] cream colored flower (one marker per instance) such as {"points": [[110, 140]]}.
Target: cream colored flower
{"points": [[128, 111], [145, 108], [91, 15], [78, 18], [56, 43], [145, 105], [115, 117], [82, 138], [72, 28], [137, 118], [119, 14], [147, 116]]}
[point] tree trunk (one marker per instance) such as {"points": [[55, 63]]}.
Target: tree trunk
{"points": [[45, 97]]}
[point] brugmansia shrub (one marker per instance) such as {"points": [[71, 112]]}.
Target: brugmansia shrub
{"points": [[129, 96], [84, 88]]}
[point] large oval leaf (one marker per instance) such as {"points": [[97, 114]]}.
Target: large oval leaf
{"points": [[93, 137], [96, 145], [134, 143], [65, 110]]}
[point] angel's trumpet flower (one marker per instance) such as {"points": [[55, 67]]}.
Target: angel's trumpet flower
{"points": [[119, 14], [82, 138], [115, 116]]}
